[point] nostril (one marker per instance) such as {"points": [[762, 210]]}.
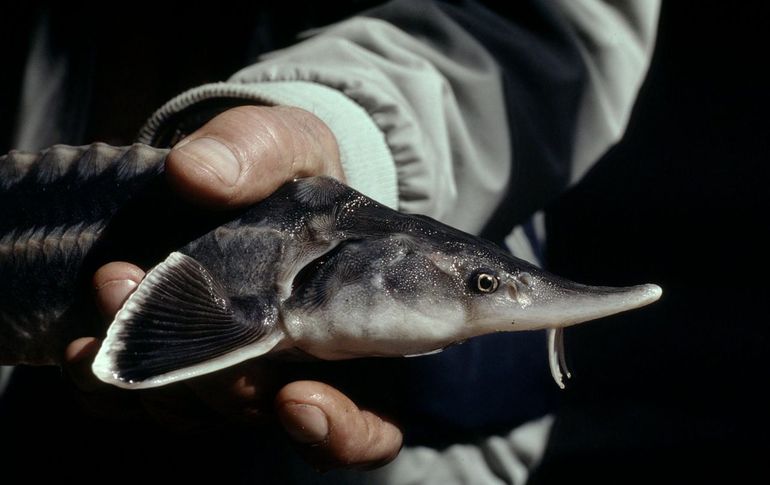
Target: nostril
{"points": [[513, 292], [525, 278]]}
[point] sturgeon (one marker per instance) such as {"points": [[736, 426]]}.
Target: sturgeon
{"points": [[317, 267]]}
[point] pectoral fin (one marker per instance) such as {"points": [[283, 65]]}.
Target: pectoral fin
{"points": [[422, 354], [180, 323]]}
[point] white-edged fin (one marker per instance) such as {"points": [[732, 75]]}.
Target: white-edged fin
{"points": [[556, 356], [179, 323], [430, 352]]}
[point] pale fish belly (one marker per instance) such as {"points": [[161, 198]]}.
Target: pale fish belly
{"points": [[365, 320]]}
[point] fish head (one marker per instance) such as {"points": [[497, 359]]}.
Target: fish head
{"points": [[503, 293], [506, 293]]}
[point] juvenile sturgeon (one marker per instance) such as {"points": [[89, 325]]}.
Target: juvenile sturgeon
{"points": [[317, 267]]}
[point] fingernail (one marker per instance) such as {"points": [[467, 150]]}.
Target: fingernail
{"points": [[112, 294], [304, 423], [213, 156]]}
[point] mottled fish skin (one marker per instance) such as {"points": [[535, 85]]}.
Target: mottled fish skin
{"points": [[54, 207], [324, 269]]}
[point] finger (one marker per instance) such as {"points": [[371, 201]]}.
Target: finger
{"points": [[331, 431], [242, 393], [244, 154], [78, 358], [113, 283], [176, 408], [98, 398], [172, 407]]}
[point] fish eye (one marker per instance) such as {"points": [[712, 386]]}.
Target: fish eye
{"points": [[486, 281]]}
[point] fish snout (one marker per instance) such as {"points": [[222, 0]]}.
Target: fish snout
{"points": [[547, 301]]}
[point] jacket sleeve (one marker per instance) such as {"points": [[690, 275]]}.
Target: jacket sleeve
{"points": [[449, 109], [419, 116]]}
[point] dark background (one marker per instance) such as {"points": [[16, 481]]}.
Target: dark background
{"points": [[675, 392]]}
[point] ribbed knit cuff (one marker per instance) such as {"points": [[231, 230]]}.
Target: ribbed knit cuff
{"points": [[365, 156]]}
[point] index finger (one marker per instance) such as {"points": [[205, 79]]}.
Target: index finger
{"points": [[113, 283]]}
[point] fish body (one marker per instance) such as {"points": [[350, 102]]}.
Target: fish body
{"points": [[316, 267], [58, 209]]}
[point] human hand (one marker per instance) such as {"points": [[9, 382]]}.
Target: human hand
{"points": [[239, 158]]}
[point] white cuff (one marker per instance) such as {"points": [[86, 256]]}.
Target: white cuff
{"points": [[365, 156]]}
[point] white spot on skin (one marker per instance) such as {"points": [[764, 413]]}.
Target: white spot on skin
{"points": [[378, 281]]}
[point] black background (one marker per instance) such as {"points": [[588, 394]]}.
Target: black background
{"points": [[676, 392]]}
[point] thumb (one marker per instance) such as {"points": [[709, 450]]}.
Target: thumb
{"points": [[246, 153], [330, 431]]}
